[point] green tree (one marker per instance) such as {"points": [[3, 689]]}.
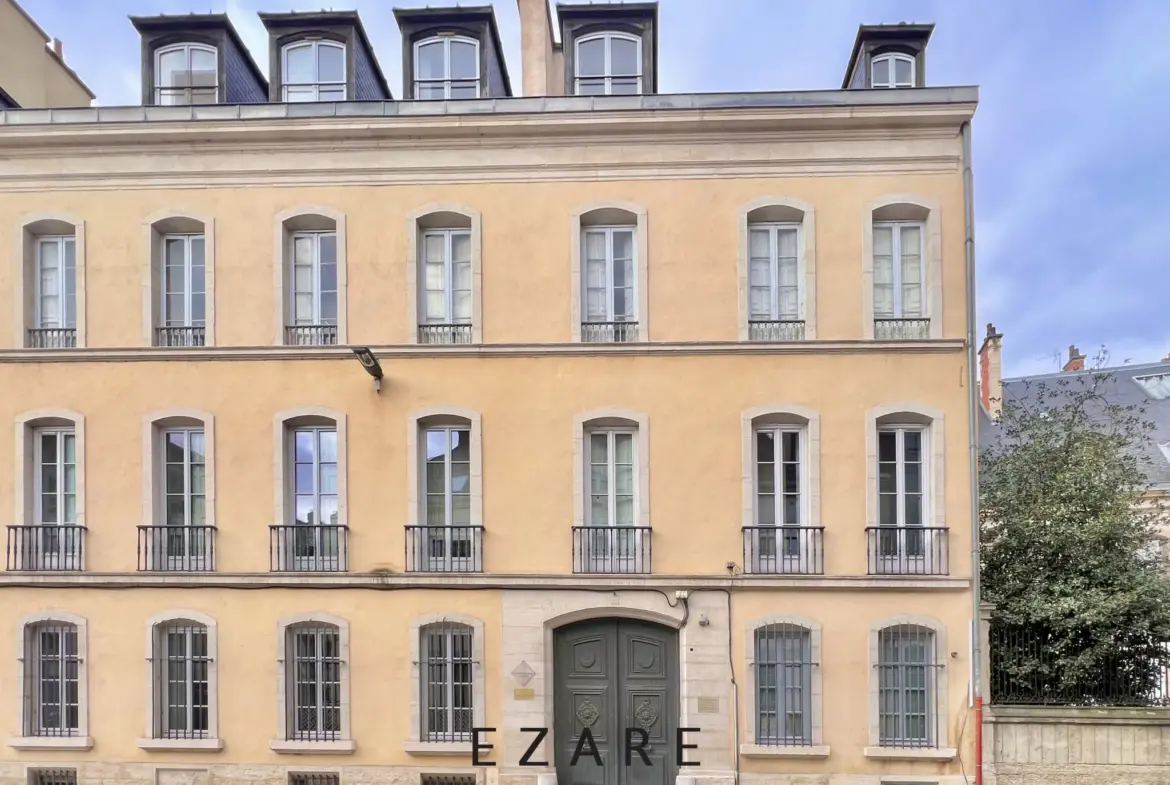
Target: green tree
{"points": [[1082, 600]]}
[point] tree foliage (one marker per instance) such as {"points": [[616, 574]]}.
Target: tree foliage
{"points": [[1082, 600]]}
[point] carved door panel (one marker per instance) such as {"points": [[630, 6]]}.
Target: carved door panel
{"points": [[612, 675]]}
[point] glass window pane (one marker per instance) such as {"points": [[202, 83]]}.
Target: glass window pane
{"points": [[461, 247], [431, 63], [902, 69], [463, 60], [881, 72], [887, 446], [623, 55], [298, 68], [330, 63], [203, 65], [591, 57], [623, 448], [328, 446]]}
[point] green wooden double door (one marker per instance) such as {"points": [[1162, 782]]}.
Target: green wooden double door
{"points": [[613, 675]]}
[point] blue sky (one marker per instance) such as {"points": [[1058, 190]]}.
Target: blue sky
{"points": [[1072, 147]]}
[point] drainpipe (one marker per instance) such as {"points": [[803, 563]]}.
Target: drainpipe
{"points": [[973, 437]]}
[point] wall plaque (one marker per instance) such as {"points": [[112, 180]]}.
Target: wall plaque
{"points": [[708, 705], [524, 694]]}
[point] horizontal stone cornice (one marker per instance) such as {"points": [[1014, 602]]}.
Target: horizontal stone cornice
{"points": [[398, 581], [401, 352]]}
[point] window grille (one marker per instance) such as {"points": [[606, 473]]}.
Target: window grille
{"points": [[314, 778], [52, 776], [315, 683], [181, 681], [447, 779], [783, 685], [907, 694], [52, 688], [447, 673]]}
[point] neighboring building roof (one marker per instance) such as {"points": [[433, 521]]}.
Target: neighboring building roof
{"points": [[60, 60], [182, 22], [7, 101], [1123, 387]]}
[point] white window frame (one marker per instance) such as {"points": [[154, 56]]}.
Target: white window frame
{"points": [[611, 467], [815, 747], [446, 79], [804, 541], [61, 241], [924, 296], [931, 699], [316, 285], [293, 680], [901, 429], [448, 561], [163, 633], [188, 496], [893, 58], [904, 560], [633, 301], [156, 709], [187, 48], [774, 230], [608, 75], [79, 738], [448, 236], [164, 316], [314, 44], [59, 433], [284, 742]]}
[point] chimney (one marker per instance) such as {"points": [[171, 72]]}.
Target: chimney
{"points": [[57, 49], [1166, 359], [991, 372], [539, 58], [1076, 360]]}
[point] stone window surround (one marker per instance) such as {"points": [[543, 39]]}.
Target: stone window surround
{"points": [[417, 221], [282, 744], [82, 741], [817, 748], [445, 414], [936, 458], [155, 227], [932, 268], [416, 745], [580, 221], [783, 413], [611, 417], [282, 424], [153, 425], [806, 259], [26, 423], [212, 741], [284, 225], [943, 751], [29, 227]]}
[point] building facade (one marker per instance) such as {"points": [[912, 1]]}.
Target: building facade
{"points": [[33, 73], [669, 443]]}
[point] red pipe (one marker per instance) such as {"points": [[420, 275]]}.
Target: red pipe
{"points": [[978, 740]]}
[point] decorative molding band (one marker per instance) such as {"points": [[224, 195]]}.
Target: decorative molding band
{"points": [[431, 351], [399, 581]]}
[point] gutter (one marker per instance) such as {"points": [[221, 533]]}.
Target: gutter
{"points": [[973, 438]]}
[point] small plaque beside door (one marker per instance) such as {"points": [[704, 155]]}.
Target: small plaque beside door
{"points": [[708, 705], [523, 694]]}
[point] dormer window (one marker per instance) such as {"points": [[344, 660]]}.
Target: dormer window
{"points": [[892, 70], [608, 64], [186, 74], [313, 71], [446, 67]]}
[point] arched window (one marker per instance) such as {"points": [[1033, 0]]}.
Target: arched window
{"points": [[907, 532], [313, 658], [610, 274], [892, 70], [183, 665], [180, 272], [178, 527], [445, 523], [782, 531], [447, 667], [446, 67], [776, 267], [444, 274], [903, 268], [55, 681], [313, 70], [911, 690], [783, 671], [53, 282], [185, 74], [310, 534], [608, 63], [311, 247], [50, 492]]}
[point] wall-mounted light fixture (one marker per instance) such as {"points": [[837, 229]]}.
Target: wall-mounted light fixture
{"points": [[371, 364]]}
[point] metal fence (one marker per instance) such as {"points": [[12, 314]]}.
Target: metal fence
{"points": [[1028, 668]]}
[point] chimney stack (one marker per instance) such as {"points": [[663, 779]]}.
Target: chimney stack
{"points": [[541, 63], [1076, 360], [991, 372], [57, 48]]}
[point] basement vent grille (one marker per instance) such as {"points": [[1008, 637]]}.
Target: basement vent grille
{"points": [[448, 779], [52, 776], [314, 778]]}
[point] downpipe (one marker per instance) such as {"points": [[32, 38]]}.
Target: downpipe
{"points": [[973, 438]]}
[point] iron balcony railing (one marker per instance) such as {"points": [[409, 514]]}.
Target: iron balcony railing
{"points": [[609, 332], [444, 333], [48, 547], [784, 550], [310, 335], [180, 336], [908, 550], [52, 338], [901, 329], [444, 549], [611, 549], [782, 330], [176, 548], [308, 548]]}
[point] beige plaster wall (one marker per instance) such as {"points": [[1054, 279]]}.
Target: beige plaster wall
{"points": [[29, 72]]}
